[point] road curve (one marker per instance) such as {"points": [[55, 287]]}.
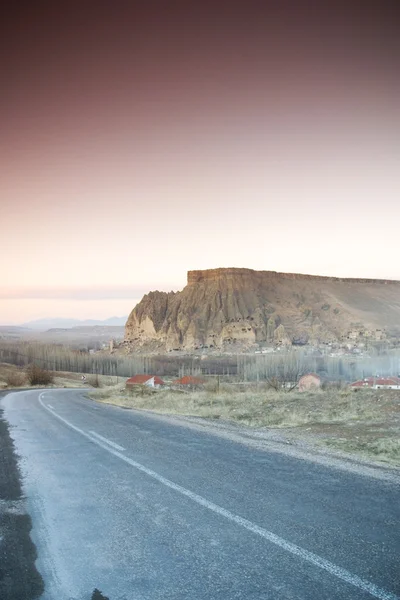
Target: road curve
{"points": [[143, 508]]}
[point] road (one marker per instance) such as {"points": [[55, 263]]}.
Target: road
{"points": [[143, 508]]}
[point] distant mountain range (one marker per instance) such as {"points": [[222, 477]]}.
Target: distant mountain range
{"points": [[44, 324]]}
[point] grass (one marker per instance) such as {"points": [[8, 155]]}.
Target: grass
{"points": [[366, 422], [251, 407], [385, 449], [12, 376], [15, 379]]}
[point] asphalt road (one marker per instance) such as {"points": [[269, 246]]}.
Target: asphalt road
{"points": [[142, 508]]}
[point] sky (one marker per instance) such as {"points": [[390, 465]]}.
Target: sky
{"points": [[140, 140]]}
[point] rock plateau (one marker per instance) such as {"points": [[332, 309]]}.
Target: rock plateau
{"points": [[232, 307]]}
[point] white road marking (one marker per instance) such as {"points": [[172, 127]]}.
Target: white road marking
{"points": [[50, 406], [310, 557], [107, 441]]}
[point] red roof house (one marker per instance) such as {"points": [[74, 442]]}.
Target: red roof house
{"points": [[387, 383], [150, 380]]}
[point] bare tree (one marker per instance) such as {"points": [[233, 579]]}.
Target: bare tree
{"points": [[283, 372]]}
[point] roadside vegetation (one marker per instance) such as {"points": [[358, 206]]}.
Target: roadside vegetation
{"points": [[366, 422], [13, 377], [38, 376]]}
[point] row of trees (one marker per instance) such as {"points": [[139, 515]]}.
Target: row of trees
{"points": [[280, 367], [62, 358], [333, 368]]}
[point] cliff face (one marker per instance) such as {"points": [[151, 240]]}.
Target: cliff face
{"points": [[223, 307]]}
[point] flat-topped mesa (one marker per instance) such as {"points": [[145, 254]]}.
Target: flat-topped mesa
{"points": [[237, 309], [199, 276]]}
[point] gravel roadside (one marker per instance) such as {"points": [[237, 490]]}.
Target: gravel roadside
{"points": [[304, 447]]}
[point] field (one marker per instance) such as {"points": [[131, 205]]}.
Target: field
{"points": [[12, 377], [362, 422]]}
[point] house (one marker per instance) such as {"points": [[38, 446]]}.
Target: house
{"points": [[310, 381], [149, 380], [189, 381], [376, 383]]}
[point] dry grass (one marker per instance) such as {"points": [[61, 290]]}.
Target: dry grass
{"points": [[15, 379], [93, 381], [74, 380], [365, 422], [12, 376], [385, 449], [251, 407]]}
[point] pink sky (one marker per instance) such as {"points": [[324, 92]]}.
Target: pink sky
{"points": [[138, 146]]}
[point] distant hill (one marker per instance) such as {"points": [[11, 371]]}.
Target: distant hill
{"points": [[12, 329], [80, 334], [55, 323], [221, 308], [12, 332]]}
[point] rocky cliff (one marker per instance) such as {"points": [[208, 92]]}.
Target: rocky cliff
{"points": [[223, 308]]}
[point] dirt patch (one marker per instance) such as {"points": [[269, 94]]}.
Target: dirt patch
{"points": [[19, 579]]}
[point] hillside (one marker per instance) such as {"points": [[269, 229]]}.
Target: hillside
{"points": [[222, 308]]}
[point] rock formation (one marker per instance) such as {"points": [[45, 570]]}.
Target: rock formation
{"points": [[226, 308]]}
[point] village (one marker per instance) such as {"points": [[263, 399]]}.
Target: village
{"points": [[307, 382]]}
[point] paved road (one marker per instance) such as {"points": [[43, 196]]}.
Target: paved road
{"points": [[145, 509]]}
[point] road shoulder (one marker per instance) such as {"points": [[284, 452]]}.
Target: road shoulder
{"points": [[19, 578], [273, 440]]}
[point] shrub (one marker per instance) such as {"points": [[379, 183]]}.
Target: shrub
{"points": [[38, 376], [141, 389], [94, 381], [211, 386], [334, 385], [15, 379]]}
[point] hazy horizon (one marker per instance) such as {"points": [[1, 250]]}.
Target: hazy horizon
{"points": [[64, 320], [140, 142]]}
